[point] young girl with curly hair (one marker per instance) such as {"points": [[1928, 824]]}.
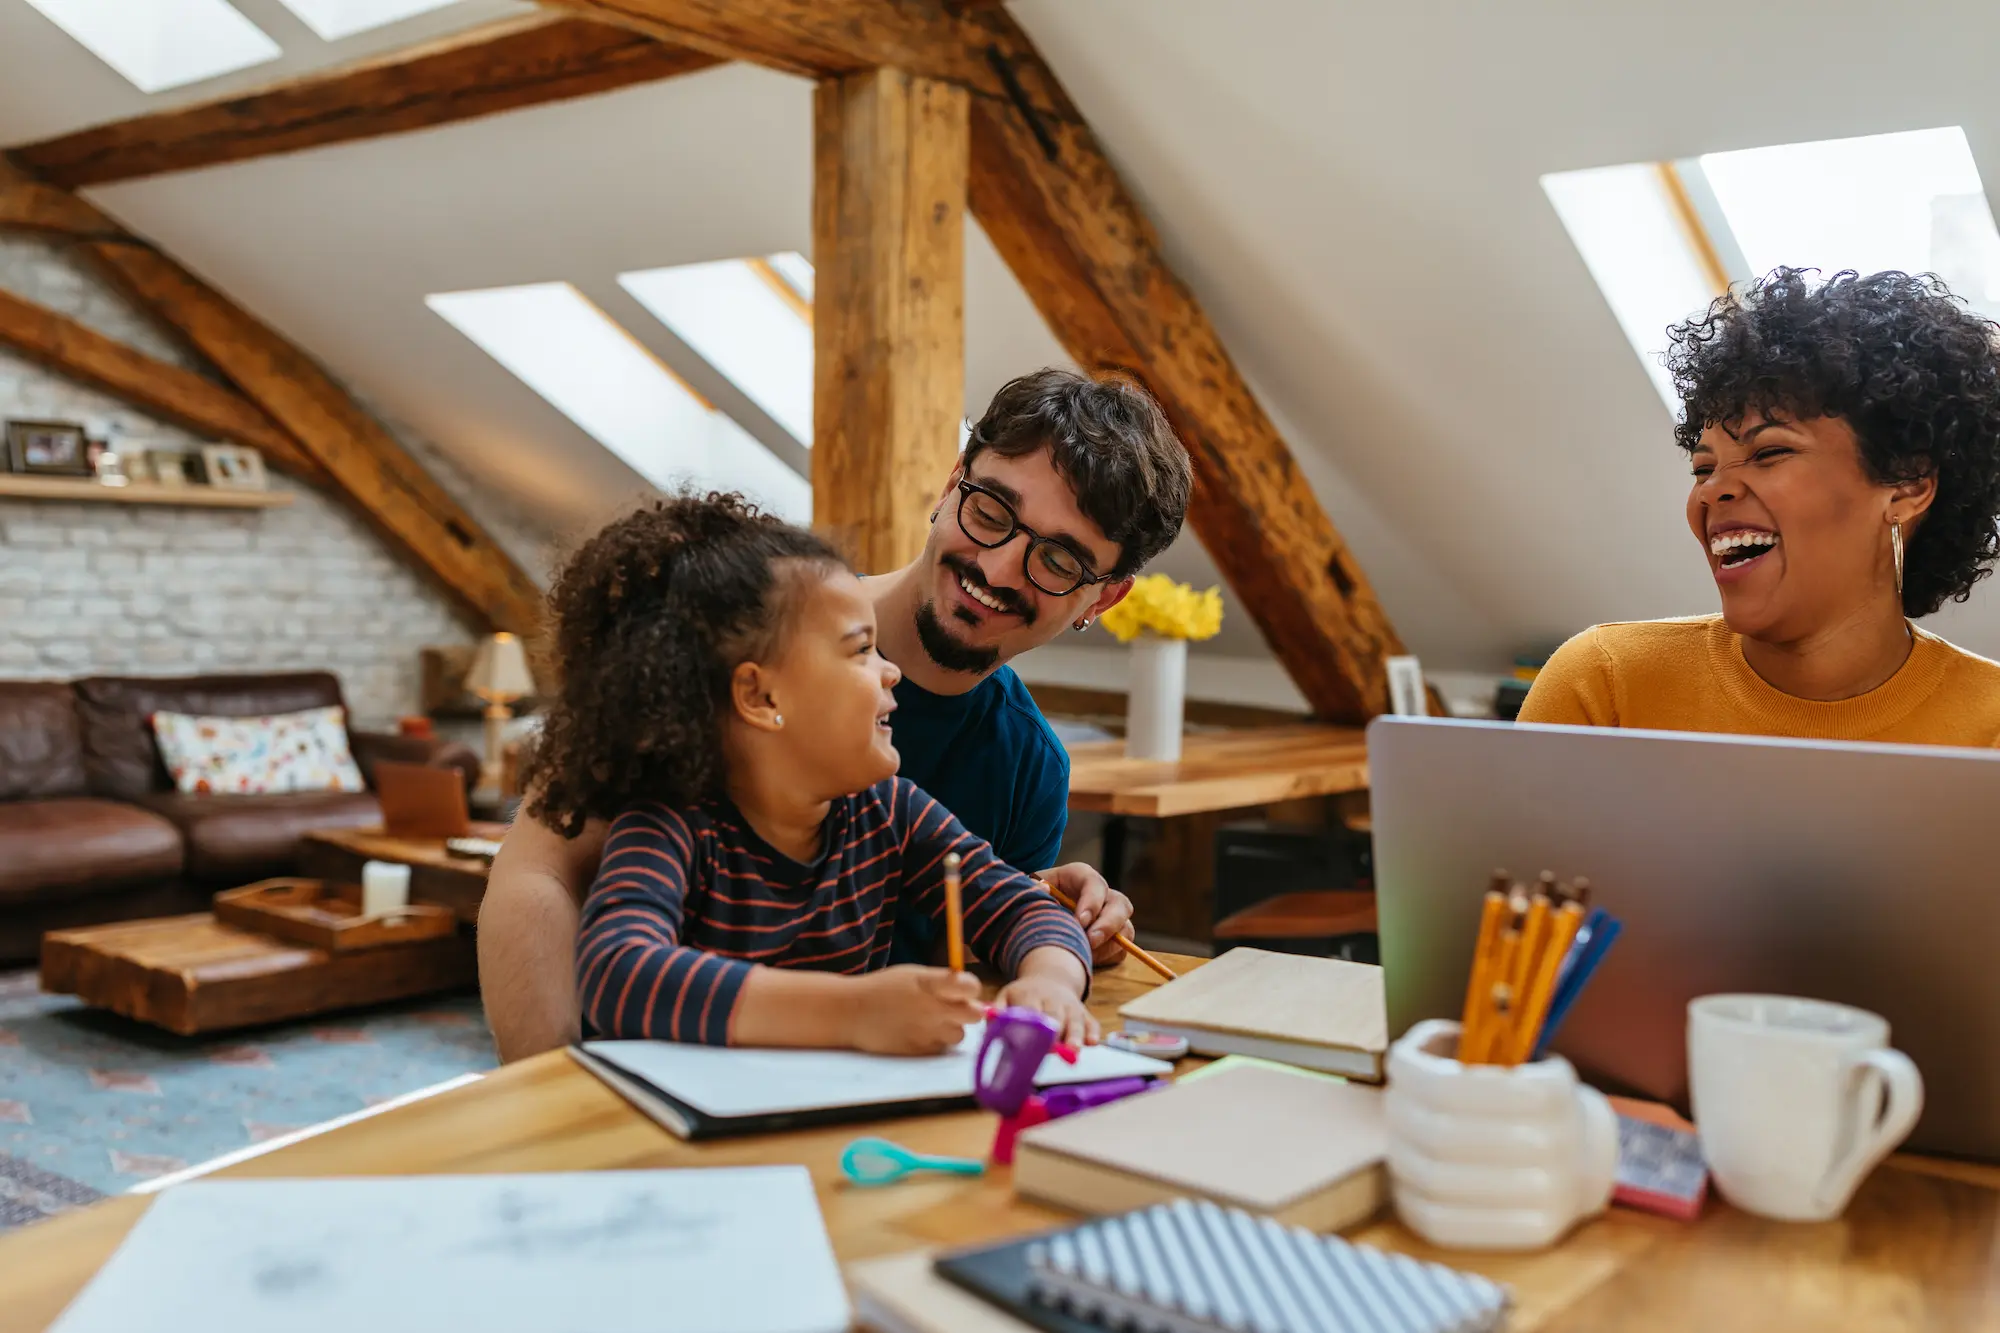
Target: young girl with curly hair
{"points": [[722, 704]]}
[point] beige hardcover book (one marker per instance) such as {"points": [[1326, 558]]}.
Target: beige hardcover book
{"points": [[902, 1294], [1319, 1013], [1306, 1151]]}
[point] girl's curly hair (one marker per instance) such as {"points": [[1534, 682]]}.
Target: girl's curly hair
{"points": [[651, 616], [1901, 361]]}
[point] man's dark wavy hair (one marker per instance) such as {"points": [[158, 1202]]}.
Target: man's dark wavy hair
{"points": [[1110, 441], [1898, 358], [650, 617]]}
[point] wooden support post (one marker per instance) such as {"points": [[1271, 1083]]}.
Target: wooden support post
{"points": [[889, 167]]}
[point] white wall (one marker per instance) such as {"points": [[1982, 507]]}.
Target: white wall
{"points": [[96, 588]]}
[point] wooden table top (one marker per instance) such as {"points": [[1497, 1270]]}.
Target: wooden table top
{"points": [[1918, 1249], [376, 845], [1220, 770]]}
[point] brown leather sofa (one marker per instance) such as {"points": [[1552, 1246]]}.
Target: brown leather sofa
{"points": [[91, 828]]}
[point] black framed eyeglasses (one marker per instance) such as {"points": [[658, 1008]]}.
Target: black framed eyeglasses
{"points": [[1050, 565]]}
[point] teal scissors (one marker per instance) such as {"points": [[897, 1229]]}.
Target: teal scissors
{"points": [[880, 1162]]}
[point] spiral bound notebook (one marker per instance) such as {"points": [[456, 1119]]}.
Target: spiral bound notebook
{"points": [[1195, 1267]]}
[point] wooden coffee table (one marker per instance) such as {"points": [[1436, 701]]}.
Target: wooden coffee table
{"points": [[192, 974], [436, 876]]}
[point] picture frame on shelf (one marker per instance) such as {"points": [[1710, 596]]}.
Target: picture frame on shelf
{"points": [[168, 467], [48, 449], [234, 467]]}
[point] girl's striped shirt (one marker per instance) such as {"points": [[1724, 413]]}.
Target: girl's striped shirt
{"points": [[687, 900]]}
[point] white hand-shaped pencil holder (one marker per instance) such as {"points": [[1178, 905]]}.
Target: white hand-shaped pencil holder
{"points": [[1483, 1157]]}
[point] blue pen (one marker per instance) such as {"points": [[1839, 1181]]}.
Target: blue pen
{"points": [[1576, 972]]}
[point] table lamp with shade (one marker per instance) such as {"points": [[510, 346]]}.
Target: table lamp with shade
{"points": [[499, 675]]}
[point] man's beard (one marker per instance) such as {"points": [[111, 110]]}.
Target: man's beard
{"points": [[946, 649]]}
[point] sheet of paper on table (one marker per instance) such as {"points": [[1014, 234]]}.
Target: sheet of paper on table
{"points": [[586, 1252], [732, 1081]]}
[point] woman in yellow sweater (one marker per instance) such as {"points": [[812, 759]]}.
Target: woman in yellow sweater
{"points": [[1845, 442]]}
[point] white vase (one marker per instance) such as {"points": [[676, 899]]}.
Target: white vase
{"points": [[1154, 701]]}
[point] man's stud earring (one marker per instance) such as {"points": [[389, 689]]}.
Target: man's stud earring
{"points": [[778, 718], [1081, 625]]}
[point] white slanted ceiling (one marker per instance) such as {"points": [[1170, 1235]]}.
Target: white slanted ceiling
{"points": [[1351, 190]]}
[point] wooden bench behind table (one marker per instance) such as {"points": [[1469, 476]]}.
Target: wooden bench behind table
{"points": [[1916, 1250]]}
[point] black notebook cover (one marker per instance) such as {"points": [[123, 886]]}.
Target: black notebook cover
{"points": [[998, 1275], [692, 1123]]}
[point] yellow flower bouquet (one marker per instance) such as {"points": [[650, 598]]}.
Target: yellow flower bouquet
{"points": [[1159, 605]]}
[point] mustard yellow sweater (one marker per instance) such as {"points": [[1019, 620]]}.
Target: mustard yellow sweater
{"points": [[1689, 675]]}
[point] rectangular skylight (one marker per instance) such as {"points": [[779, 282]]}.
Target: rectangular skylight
{"points": [[1911, 201], [162, 44], [554, 340], [1635, 244], [335, 19], [794, 268], [736, 322]]}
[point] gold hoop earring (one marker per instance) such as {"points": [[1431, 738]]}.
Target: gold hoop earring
{"points": [[1896, 546]]}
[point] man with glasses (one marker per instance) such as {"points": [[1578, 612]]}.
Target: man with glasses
{"points": [[1066, 488]]}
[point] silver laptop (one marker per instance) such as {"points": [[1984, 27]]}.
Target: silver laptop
{"points": [[1867, 874]]}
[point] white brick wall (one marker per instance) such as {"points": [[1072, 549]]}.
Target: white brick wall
{"points": [[99, 588]]}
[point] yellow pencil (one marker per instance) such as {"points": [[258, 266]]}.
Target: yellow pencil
{"points": [[1542, 984], [1534, 937], [1131, 949], [1486, 1039], [1477, 988], [954, 915]]}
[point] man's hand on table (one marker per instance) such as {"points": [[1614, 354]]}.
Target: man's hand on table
{"points": [[1102, 911]]}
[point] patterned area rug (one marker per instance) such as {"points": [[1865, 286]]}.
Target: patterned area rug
{"points": [[91, 1104]]}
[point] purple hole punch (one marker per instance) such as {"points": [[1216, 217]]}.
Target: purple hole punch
{"points": [[1015, 1044]]}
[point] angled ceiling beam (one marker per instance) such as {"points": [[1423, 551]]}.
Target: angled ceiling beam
{"points": [[497, 67], [27, 204], [167, 391], [365, 463], [1050, 199]]}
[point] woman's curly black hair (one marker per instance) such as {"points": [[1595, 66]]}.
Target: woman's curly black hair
{"points": [[651, 616], [1901, 361]]}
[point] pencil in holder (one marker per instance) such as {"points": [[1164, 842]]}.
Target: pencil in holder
{"points": [[1492, 1157]]}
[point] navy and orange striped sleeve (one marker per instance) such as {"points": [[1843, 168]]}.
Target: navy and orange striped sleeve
{"points": [[1007, 914], [634, 976]]}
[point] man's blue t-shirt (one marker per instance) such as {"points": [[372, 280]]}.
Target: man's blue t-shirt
{"points": [[990, 757]]}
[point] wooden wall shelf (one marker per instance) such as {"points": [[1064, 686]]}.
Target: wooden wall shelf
{"points": [[17, 487]]}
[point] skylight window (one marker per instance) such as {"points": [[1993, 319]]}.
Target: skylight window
{"points": [[1636, 244], [335, 19], [748, 329], [795, 269], [554, 340], [1910, 201], [162, 44], [1662, 239]]}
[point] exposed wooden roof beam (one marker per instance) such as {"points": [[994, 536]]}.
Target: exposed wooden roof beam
{"points": [[498, 67], [1044, 190], [167, 391], [365, 463]]}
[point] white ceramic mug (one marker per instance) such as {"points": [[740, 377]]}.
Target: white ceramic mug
{"points": [[1487, 1158], [1795, 1100]]}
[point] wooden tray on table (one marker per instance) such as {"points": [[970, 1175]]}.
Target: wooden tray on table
{"points": [[320, 915]]}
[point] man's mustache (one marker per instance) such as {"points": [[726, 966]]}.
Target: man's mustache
{"points": [[1010, 601]]}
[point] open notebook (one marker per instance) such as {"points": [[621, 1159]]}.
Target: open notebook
{"points": [[703, 1092]]}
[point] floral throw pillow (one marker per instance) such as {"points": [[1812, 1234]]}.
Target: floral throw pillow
{"points": [[281, 752]]}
